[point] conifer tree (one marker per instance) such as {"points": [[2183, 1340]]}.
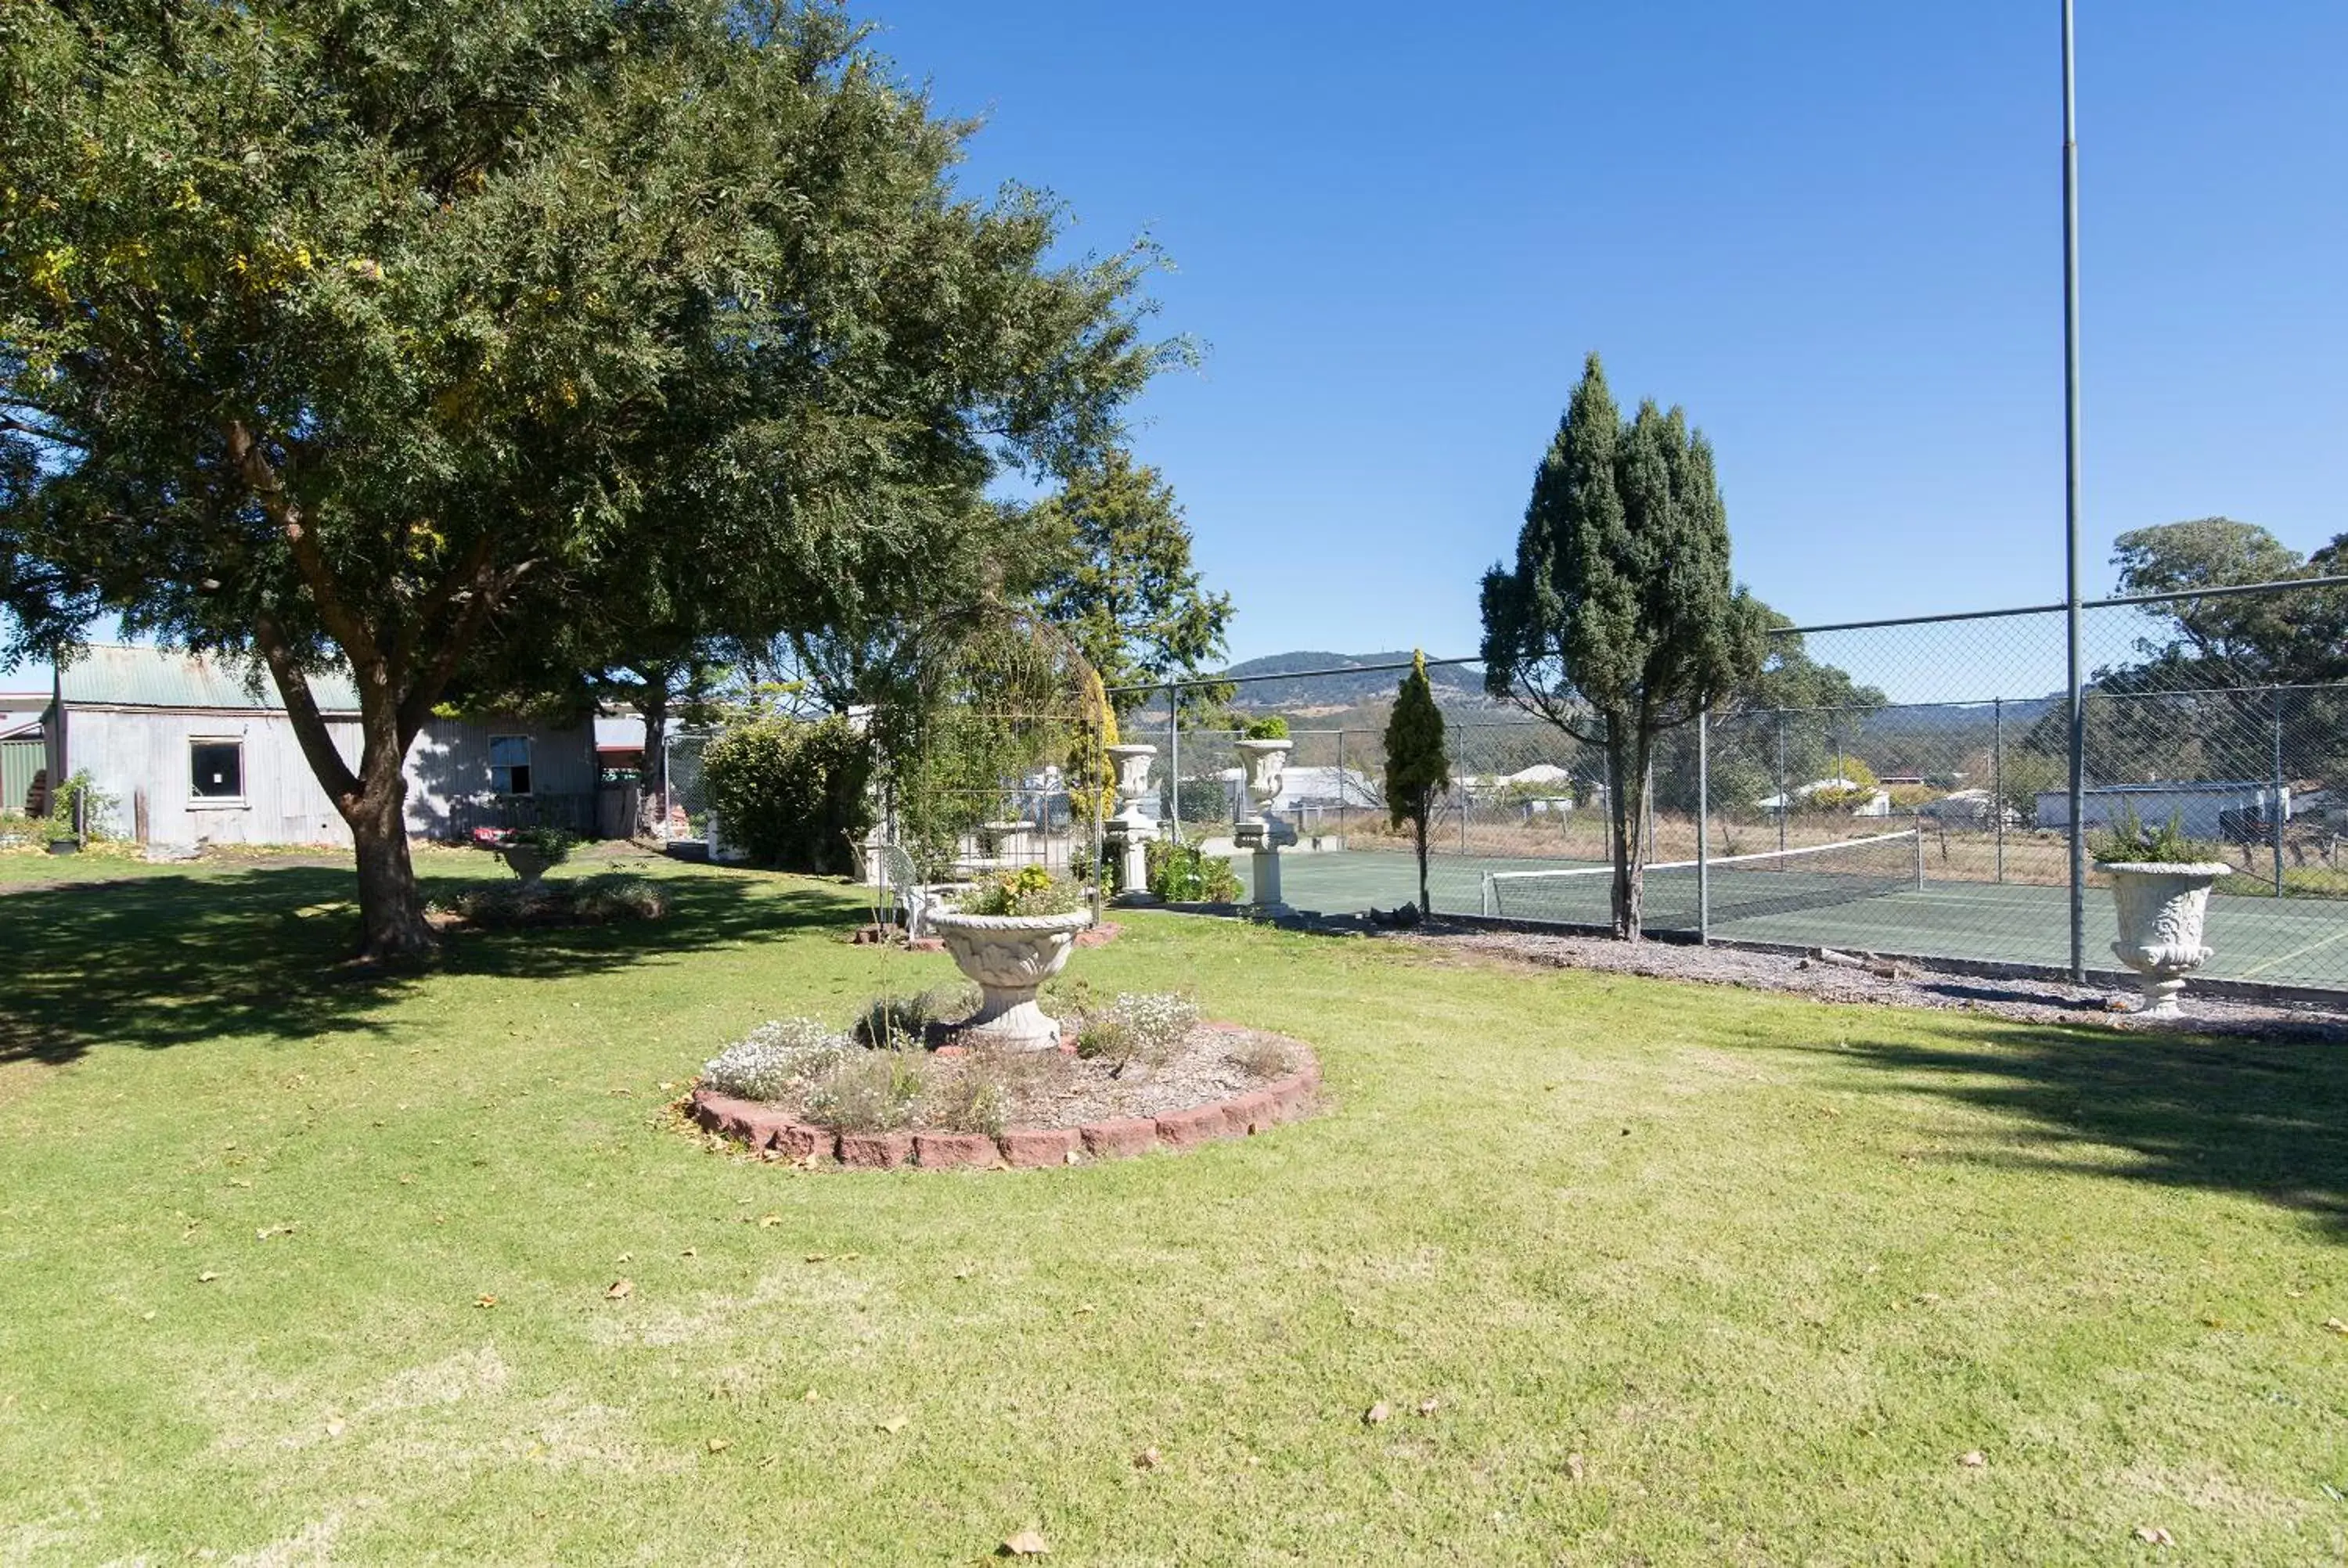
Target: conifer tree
{"points": [[1620, 620], [1417, 770]]}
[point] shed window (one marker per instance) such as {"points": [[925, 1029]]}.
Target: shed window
{"points": [[509, 765], [216, 770]]}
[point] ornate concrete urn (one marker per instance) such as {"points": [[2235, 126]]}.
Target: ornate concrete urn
{"points": [[1010, 956], [1129, 831], [1263, 762], [528, 862], [2162, 909]]}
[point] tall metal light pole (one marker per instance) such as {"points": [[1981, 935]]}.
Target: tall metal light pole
{"points": [[2071, 507]]}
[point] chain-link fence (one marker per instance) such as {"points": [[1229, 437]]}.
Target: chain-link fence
{"points": [[1897, 787], [685, 814]]}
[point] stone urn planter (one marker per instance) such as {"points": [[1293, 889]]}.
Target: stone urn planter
{"points": [[1010, 956], [2162, 908], [1128, 832], [1263, 762], [528, 863], [1132, 762]]}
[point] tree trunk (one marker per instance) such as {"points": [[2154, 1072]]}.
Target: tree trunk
{"points": [[1418, 826], [391, 908], [652, 797], [1623, 812]]}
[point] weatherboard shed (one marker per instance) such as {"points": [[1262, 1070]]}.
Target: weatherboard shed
{"points": [[185, 749]]}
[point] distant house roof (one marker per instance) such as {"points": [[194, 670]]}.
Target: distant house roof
{"points": [[1540, 773], [109, 676]]}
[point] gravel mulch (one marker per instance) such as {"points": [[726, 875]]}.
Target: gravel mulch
{"points": [[1909, 984]]}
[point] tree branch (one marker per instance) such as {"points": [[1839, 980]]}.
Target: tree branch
{"points": [[302, 709], [345, 625]]}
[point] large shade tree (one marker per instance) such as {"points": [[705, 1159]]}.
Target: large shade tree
{"points": [[388, 337], [1620, 619]]}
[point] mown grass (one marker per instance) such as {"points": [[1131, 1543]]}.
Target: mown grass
{"points": [[1691, 1275]]}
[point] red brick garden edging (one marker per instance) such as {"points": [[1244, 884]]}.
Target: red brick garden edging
{"points": [[777, 1135]]}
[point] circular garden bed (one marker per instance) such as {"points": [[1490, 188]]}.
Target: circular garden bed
{"points": [[1142, 1073]]}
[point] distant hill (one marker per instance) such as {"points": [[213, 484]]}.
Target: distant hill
{"points": [[1358, 684]]}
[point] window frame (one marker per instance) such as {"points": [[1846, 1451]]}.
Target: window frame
{"points": [[503, 789], [198, 801]]}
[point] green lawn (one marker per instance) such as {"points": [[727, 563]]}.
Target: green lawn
{"points": [[1692, 1275]]}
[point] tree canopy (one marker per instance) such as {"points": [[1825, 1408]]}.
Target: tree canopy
{"points": [[401, 338], [1125, 588], [1620, 619]]}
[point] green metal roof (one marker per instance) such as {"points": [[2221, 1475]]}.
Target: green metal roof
{"points": [[105, 675]]}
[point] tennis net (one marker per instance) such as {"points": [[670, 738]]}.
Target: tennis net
{"points": [[1742, 887]]}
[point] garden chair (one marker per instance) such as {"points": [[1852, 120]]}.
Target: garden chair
{"points": [[903, 883]]}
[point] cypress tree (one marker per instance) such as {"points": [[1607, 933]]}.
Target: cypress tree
{"points": [[1418, 772], [1620, 619]]}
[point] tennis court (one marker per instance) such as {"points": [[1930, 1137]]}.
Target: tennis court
{"points": [[1874, 905]]}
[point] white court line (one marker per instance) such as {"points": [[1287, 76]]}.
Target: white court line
{"points": [[2296, 953]]}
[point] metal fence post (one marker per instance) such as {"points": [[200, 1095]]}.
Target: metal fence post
{"points": [[1997, 779], [1703, 824], [1340, 783], [1174, 760], [1784, 799], [2274, 813]]}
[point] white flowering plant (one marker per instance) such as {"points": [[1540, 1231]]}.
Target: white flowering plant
{"points": [[777, 1058], [1145, 1026]]}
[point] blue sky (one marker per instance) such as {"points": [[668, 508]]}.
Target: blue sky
{"points": [[1830, 231]]}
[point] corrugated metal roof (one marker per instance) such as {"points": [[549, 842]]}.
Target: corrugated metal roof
{"points": [[107, 675]]}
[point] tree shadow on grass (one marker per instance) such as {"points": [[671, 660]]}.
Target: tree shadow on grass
{"points": [[168, 960], [2263, 1119]]}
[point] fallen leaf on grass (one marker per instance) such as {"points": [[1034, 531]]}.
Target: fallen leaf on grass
{"points": [[335, 1427], [620, 1290], [1428, 1406], [808, 1397], [625, 1257], [486, 1301], [817, 1257], [2335, 1326], [1574, 1465], [894, 1424], [768, 1221], [1086, 1309], [206, 1277], [1375, 1414], [1973, 1459], [2153, 1536], [1147, 1458], [1026, 1544], [719, 1445]]}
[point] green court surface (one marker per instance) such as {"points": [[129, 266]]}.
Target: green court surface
{"points": [[2289, 942]]}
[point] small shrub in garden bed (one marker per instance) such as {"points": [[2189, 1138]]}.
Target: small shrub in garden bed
{"points": [[1264, 1056], [868, 1092], [1145, 1027], [1182, 872], [969, 1101], [1030, 890], [775, 1059], [890, 1021]]}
